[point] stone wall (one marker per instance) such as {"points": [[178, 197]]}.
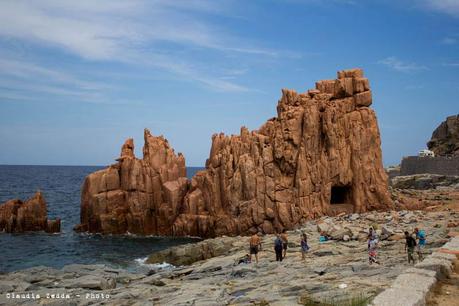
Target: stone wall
{"points": [[435, 165]]}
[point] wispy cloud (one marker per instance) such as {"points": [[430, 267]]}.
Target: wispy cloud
{"points": [[136, 32], [30, 70], [450, 7], [323, 2], [25, 79], [401, 66], [449, 41], [456, 64]]}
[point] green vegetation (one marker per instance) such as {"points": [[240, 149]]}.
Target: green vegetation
{"points": [[261, 303], [359, 300]]}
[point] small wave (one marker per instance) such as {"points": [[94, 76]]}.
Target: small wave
{"points": [[156, 267]]}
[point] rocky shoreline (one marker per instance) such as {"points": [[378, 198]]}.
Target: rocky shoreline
{"points": [[334, 270]]}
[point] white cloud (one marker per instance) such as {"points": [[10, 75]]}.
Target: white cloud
{"points": [[136, 32], [398, 65]]}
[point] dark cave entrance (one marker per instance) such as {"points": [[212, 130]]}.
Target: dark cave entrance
{"points": [[340, 195]]}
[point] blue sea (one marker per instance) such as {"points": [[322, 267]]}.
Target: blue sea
{"points": [[61, 186]]}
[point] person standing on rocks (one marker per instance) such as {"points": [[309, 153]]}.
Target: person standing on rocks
{"points": [[421, 238], [278, 247], [304, 245], [410, 244], [371, 236], [255, 246], [284, 238], [372, 251]]}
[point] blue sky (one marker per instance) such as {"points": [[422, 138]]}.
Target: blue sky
{"points": [[79, 77]]}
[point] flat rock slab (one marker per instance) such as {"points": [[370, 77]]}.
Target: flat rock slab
{"points": [[399, 297], [442, 267], [414, 282], [90, 282]]}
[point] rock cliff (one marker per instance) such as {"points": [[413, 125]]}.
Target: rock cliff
{"points": [[445, 138], [17, 216], [320, 156]]}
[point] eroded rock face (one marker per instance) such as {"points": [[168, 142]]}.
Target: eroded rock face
{"points": [[445, 138], [141, 196], [320, 156], [17, 216]]}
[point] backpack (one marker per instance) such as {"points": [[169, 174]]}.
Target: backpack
{"points": [[278, 244], [411, 242]]}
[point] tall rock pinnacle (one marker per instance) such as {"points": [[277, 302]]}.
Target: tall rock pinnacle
{"points": [[320, 156]]}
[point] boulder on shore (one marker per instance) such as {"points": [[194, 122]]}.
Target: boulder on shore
{"points": [[190, 253], [17, 216]]}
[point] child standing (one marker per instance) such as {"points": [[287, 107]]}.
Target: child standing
{"points": [[304, 245], [372, 251]]}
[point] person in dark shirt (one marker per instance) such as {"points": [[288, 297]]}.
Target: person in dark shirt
{"points": [[410, 244], [278, 247]]}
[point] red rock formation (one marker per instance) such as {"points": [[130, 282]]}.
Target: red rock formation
{"points": [[140, 196], [17, 216], [320, 156]]}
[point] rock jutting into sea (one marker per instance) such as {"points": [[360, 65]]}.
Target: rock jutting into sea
{"points": [[17, 216], [320, 156]]}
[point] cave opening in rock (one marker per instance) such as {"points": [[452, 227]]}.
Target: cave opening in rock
{"points": [[340, 195]]}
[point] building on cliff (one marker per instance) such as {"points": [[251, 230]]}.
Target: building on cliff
{"points": [[320, 156], [445, 145]]}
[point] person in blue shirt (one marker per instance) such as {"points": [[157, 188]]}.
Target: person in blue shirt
{"points": [[421, 238], [304, 245], [323, 237]]}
